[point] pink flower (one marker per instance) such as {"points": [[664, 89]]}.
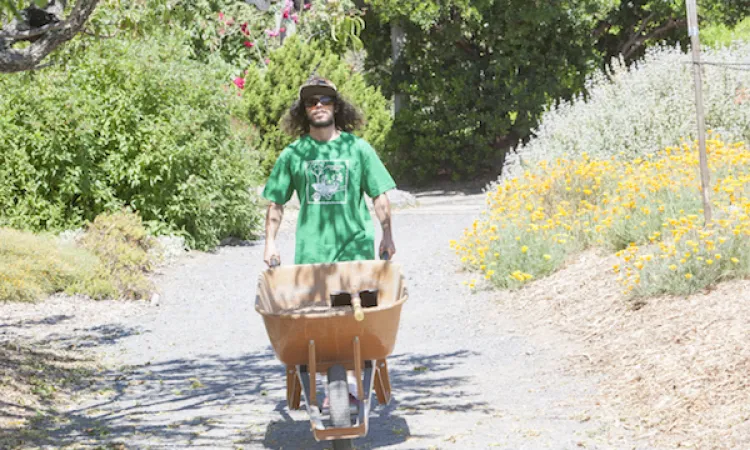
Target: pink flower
{"points": [[244, 29], [285, 14], [239, 82], [295, 18], [267, 61], [248, 44], [308, 5], [230, 22], [281, 30], [221, 16]]}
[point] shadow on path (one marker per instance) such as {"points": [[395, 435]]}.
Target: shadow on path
{"points": [[212, 401]]}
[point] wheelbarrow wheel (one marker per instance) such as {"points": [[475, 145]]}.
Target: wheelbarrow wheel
{"points": [[338, 401]]}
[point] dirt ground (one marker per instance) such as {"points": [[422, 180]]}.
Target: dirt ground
{"points": [[674, 368]]}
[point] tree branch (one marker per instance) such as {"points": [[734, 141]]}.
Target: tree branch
{"points": [[28, 34], [669, 26], [15, 60], [634, 39]]}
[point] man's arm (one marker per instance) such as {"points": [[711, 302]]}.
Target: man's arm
{"points": [[273, 221], [383, 212]]}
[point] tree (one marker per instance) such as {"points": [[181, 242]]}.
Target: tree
{"points": [[28, 35], [477, 75]]}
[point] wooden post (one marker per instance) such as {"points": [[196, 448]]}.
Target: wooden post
{"points": [[695, 43]]}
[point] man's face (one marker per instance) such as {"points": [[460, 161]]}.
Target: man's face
{"points": [[319, 109]]}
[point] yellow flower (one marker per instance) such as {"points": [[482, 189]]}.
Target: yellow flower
{"points": [[709, 261], [547, 257], [688, 276], [717, 256], [672, 267], [524, 249], [735, 260]]}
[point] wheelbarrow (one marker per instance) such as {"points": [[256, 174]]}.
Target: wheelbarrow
{"points": [[311, 334]]}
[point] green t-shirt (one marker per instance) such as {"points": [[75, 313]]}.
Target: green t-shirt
{"points": [[330, 179]]}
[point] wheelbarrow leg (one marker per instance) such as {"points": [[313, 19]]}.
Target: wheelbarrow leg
{"points": [[382, 382], [293, 388]]}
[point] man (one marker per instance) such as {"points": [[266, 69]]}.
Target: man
{"points": [[331, 170]]}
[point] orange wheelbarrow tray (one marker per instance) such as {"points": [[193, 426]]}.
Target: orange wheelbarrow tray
{"points": [[310, 336]]}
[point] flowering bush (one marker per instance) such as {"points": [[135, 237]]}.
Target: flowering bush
{"points": [[238, 32], [636, 111], [692, 256], [648, 209]]}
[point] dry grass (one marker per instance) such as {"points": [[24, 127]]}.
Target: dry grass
{"points": [[674, 368]]}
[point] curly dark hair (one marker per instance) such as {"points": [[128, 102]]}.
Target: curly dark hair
{"points": [[346, 117]]}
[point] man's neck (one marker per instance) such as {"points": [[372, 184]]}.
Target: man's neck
{"points": [[324, 134]]}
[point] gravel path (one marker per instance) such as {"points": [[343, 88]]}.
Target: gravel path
{"points": [[197, 371]]}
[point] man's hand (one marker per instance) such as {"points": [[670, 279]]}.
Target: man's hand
{"points": [[271, 255], [387, 246], [383, 211]]}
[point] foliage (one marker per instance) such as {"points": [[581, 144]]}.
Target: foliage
{"points": [[269, 92], [720, 35], [122, 244], [126, 123], [32, 266], [648, 210], [477, 76], [634, 111]]}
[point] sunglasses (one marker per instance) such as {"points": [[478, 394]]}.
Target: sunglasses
{"points": [[368, 298], [324, 100]]}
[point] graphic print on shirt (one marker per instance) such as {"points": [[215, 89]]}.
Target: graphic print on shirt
{"points": [[327, 181]]}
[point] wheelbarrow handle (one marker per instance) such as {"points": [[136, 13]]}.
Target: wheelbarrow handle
{"points": [[359, 313]]}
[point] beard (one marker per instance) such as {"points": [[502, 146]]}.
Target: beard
{"points": [[321, 123]]}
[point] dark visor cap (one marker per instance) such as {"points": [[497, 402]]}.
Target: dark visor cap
{"points": [[317, 86]]}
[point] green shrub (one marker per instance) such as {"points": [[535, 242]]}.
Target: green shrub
{"points": [[122, 243], [271, 90], [126, 123], [33, 266]]}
